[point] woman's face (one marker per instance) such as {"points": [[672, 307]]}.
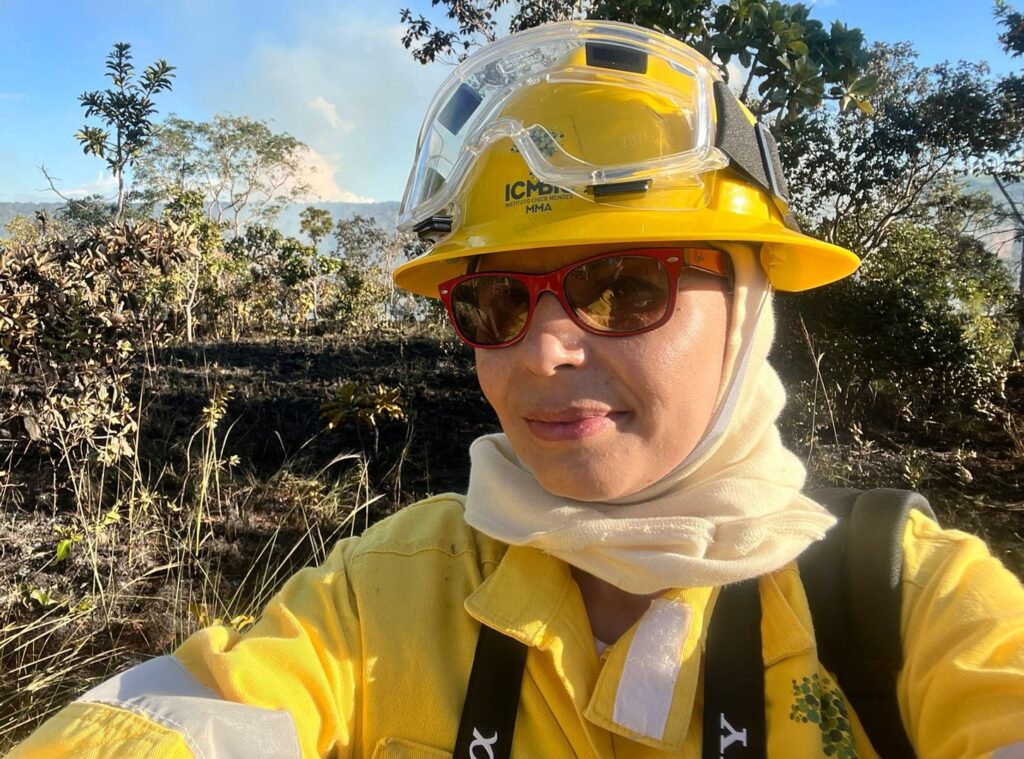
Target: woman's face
{"points": [[597, 417]]}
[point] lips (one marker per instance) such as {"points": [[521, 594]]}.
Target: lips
{"points": [[573, 423]]}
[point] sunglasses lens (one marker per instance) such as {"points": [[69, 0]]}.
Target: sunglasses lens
{"points": [[490, 310], [619, 293]]}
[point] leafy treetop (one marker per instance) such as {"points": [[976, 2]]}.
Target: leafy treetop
{"points": [[125, 109], [790, 62]]}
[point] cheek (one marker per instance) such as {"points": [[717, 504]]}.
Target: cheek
{"points": [[492, 375], [683, 369]]}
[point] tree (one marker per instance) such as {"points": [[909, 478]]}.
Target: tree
{"points": [[920, 334], [369, 254], [1012, 90], [195, 281], [22, 231], [80, 215], [254, 293], [126, 110], [245, 172], [76, 315], [476, 24], [790, 62], [317, 223], [921, 330], [854, 175], [278, 277]]}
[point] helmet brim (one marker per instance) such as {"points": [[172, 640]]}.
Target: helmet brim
{"points": [[793, 261]]}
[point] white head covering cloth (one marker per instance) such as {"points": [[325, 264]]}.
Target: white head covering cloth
{"points": [[732, 510]]}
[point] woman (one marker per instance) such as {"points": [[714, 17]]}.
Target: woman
{"points": [[608, 224]]}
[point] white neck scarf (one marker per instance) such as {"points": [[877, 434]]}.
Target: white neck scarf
{"points": [[732, 510]]}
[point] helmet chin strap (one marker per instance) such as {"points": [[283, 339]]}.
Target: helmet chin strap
{"points": [[720, 421]]}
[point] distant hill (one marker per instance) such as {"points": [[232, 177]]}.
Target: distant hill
{"points": [[384, 213], [9, 210]]}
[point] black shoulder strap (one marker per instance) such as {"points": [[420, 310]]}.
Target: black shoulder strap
{"points": [[852, 580], [492, 697], [734, 716], [734, 705]]}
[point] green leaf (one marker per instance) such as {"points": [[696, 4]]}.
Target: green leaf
{"points": [[40, 596], [64, 549], [865, 85]]}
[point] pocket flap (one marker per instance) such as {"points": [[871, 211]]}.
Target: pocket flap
{"points": [[396, 748]]}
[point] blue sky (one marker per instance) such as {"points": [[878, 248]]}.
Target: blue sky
{"points": [[334, 74]]}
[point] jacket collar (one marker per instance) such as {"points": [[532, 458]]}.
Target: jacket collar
{"points": [[532, 597]]}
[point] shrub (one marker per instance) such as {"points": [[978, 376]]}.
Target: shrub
{"points": [[73, 315], [921, 333]]}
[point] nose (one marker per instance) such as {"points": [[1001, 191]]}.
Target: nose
{"points": [[554, 341]]}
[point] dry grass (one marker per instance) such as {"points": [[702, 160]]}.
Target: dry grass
{"points": [[138, 563]]}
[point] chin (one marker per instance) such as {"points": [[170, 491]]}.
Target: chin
{"points": [[581, 485]]}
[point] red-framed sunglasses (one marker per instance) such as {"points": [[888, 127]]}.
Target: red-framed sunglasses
{"points": [[624, 292]]}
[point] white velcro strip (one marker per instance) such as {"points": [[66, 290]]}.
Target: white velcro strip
{"points": [[164, 691], [1015, 751], [648, 681]]}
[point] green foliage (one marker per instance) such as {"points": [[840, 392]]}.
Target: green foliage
{"points": [[186, 207], [887, 186], [244, 172], [1011, 87], [125, 111], [921, 334], [22, 231], [791, 58], [68, 539], [279, 280], [194, 286], [254, 289], [79, 215], [853, 175], [367, 299], [73, 315], [363, 404], [316, 223], [1012, 38], [1011, 90]]}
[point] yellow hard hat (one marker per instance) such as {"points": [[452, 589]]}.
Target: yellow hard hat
{"points": [[597, 135]]}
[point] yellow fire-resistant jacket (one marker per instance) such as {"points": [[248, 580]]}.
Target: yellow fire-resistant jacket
{"points": [[369, 656]]}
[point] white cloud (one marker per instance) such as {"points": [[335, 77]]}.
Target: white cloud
{"points": [[104, 184], [329, 111], [320, 176], [344, 85]]}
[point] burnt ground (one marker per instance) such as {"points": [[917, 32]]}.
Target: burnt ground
{"points": [[274, 413], [283, 498]]}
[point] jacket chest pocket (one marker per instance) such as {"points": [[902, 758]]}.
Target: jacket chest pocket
{"points": [[396, 748]]}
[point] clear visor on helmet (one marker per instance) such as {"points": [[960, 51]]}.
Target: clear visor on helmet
{"points": [[586, 104]]}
